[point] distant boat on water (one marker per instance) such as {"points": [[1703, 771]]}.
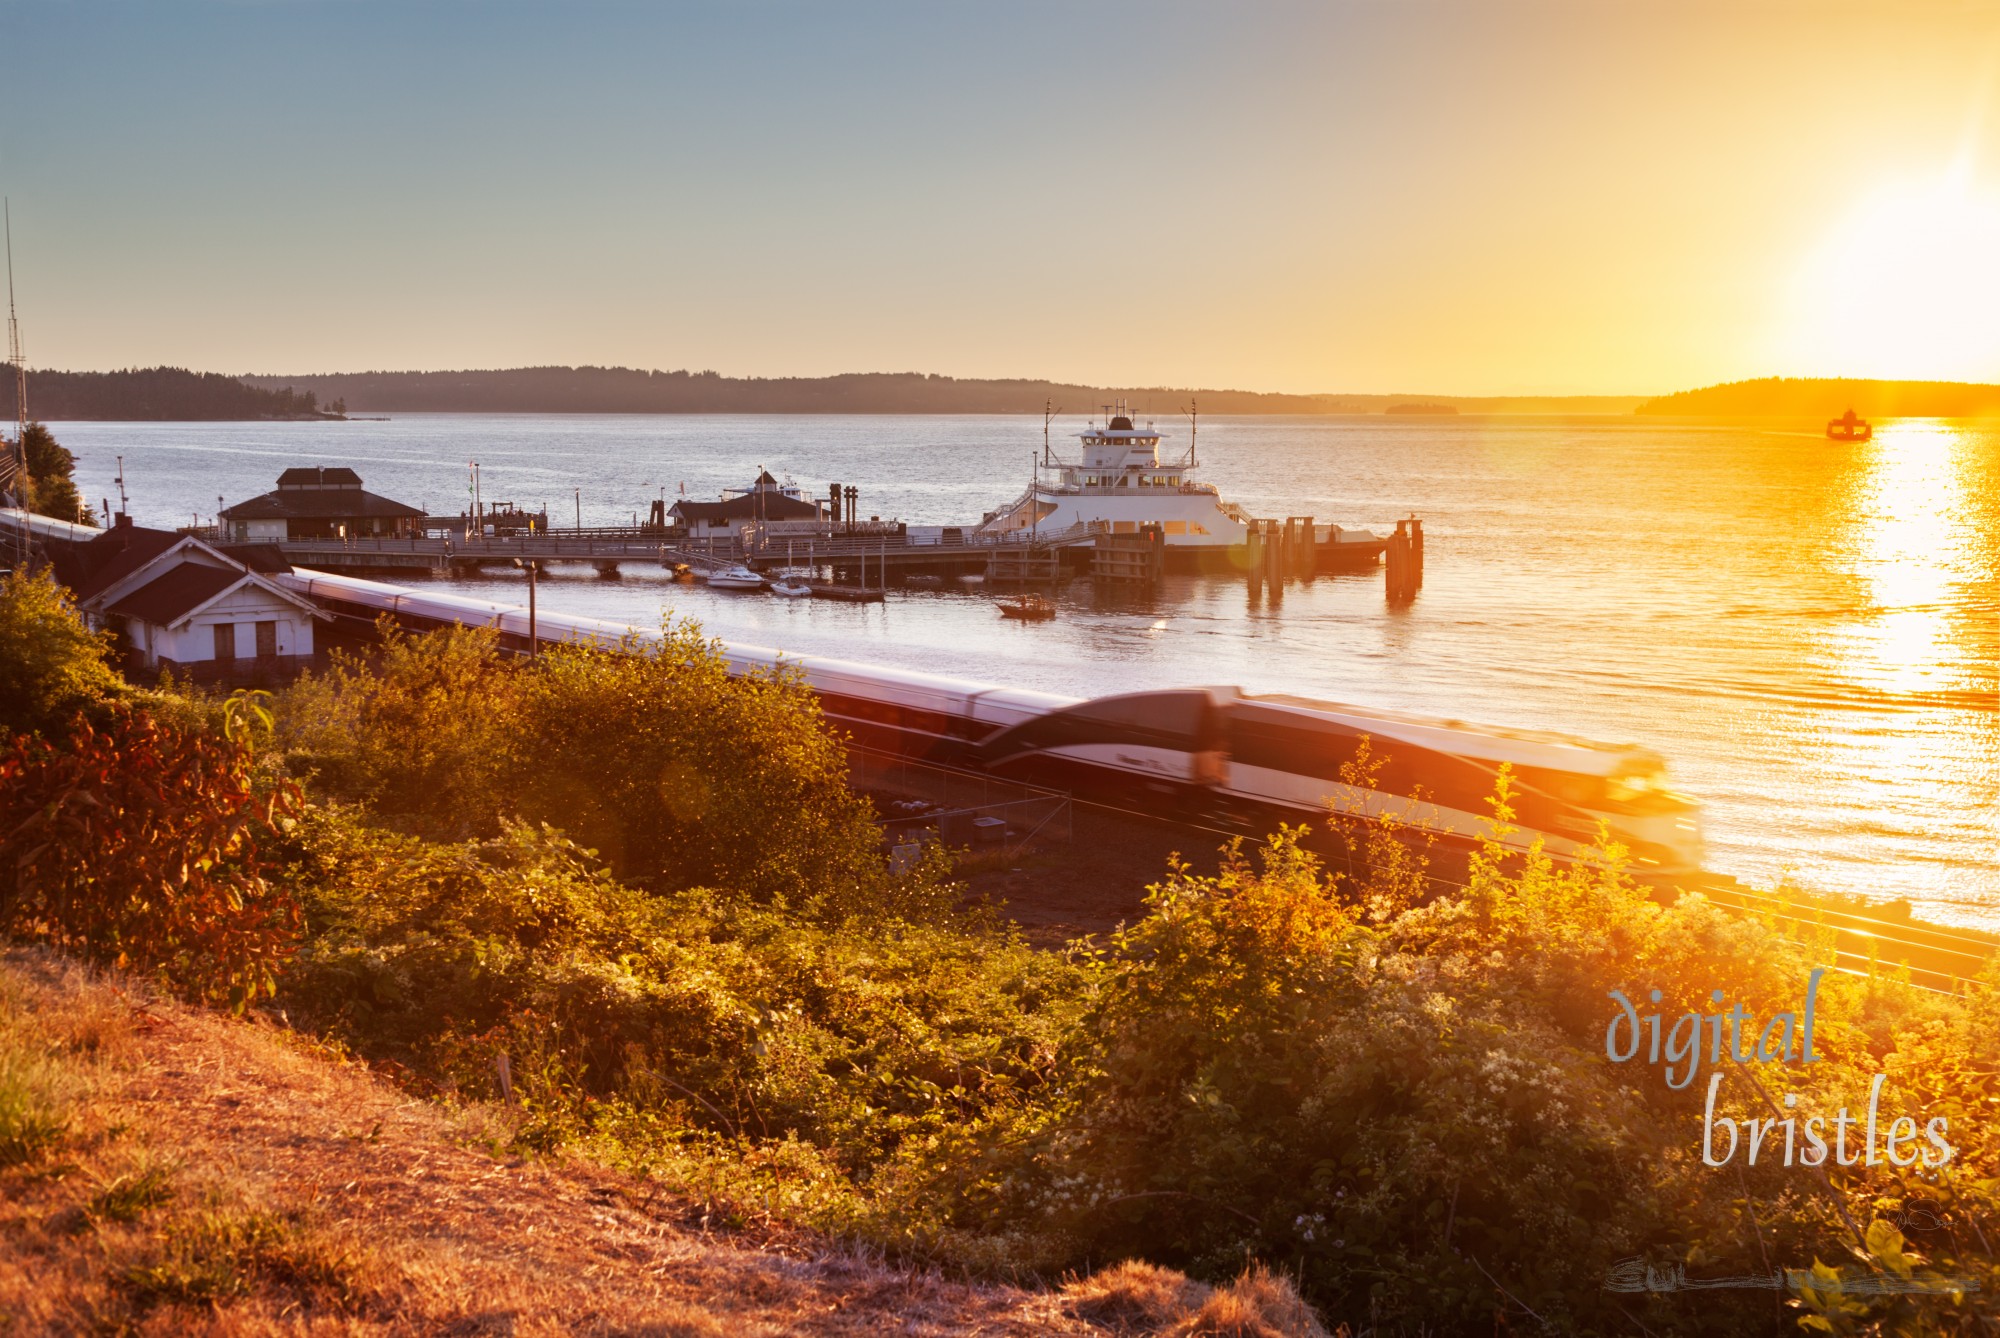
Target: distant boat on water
{"points": [[1850, 426]]}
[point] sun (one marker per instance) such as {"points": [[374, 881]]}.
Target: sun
{"points": [[1906, 286]]}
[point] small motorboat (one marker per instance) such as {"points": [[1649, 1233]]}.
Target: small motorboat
{"points": [[738, 577], [1850, 426], [1028, 608], [791, 587]]}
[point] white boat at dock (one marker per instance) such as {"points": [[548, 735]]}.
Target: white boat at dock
{"points": [[737, 577], [1121, 485]]}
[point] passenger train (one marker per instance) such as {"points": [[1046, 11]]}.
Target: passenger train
{"points": [[1246, 760]]}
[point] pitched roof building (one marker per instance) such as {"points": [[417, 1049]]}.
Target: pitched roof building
{"points": [[316, 502], [765, 502], [203, 611]]}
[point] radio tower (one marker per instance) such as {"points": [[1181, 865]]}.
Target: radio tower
{"points": [[15, 477]]}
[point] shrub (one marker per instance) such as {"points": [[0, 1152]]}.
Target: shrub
{"points": [[420, 731], [137, 844], [847, 1055], [51, 665], [1415, 1113], [682, 775]]}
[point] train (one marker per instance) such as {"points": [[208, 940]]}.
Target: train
{"points": [[1214, 755]]}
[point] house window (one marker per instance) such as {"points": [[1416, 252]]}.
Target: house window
{"points": [[267, 640], [225, 641], [1177, 527]]}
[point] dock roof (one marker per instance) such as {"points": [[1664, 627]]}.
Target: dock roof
{"points": [[748, 506], [318, 504], [319, 476]]}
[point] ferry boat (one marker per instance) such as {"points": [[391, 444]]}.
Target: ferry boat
{"points": [[1849, 427], [1121, 485]]}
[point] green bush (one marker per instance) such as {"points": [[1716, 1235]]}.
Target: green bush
{"points": [[140, 844], [51, 665], [668, 1024], [680, 774], [1416, 1114]]}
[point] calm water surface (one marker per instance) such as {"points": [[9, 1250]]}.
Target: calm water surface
{"points": [[1809, 631]]}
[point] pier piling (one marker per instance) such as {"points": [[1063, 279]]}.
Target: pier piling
{"points": [[1403, 562]]}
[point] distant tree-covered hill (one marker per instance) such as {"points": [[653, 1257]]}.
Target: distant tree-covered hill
{"points": [[153, 393], [1828, 397], [627, 390]]}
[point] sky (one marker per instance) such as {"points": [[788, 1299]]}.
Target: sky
{"points": [[1451, 196]]}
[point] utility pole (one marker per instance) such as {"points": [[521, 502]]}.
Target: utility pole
{"points": [[16, 477], [534, 641], [579, 509]]}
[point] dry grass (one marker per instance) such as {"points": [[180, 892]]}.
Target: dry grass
{"points": [[1138, 1298], [1260, 1304], [165, 1170]]}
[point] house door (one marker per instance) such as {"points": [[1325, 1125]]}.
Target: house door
{"points": [[267, 640], [225, 641]]}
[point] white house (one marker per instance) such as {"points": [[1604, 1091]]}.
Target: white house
{"points": [[184, 605]]}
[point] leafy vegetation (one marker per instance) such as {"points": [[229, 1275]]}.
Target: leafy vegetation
{"points": [[679, 774], [631, 899], [51, 477], [51, 665], [137, 843]]}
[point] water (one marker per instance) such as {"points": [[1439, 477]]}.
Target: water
{"points": [[1809, 631]]}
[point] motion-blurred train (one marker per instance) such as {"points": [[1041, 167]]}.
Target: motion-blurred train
{"points": [[1215, 755]]}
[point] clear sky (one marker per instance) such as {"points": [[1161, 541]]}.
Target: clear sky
{"points": [[1479, 197]]}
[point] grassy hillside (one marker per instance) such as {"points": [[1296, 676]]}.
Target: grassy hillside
{"points": [[633, 902], [167, 1170]]}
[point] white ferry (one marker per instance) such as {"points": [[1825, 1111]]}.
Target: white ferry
{"points": [[1120, 484]]}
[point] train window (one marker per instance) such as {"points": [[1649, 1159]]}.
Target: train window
{"points": [[1572, 787]]}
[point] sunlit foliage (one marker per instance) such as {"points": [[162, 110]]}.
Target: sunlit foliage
{"points": [[51, 665], [142, 845]]}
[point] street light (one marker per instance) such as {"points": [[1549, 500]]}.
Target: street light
{"points": [[533, 568]]}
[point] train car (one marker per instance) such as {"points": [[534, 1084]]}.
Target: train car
{"points": [[1215, 754], [1253, 761]]}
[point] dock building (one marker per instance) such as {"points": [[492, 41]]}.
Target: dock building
{"points": [[774, 508], [315, 502]]}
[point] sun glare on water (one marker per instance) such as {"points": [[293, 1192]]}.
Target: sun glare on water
{"points": [[1906, 286]]}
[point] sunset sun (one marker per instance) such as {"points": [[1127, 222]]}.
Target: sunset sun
{"points": [[1905, 285]]}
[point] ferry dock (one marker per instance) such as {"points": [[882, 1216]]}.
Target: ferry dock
{"points": [[1120, 516]]}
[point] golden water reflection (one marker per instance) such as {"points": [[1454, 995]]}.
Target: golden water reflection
{"points": [[1912, 551]]}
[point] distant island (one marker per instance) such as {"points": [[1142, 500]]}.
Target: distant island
{"points": [[1829, 397], [155, 394], [1421, 410], [627, 390]]}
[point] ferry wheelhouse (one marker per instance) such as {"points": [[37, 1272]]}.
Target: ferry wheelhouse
{"points": [[1120, 484]]}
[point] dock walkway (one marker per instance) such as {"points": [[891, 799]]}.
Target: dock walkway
{"points": [[606, 550]]}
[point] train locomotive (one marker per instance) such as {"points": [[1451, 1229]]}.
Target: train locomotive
{"points": [[1217, 755]]}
